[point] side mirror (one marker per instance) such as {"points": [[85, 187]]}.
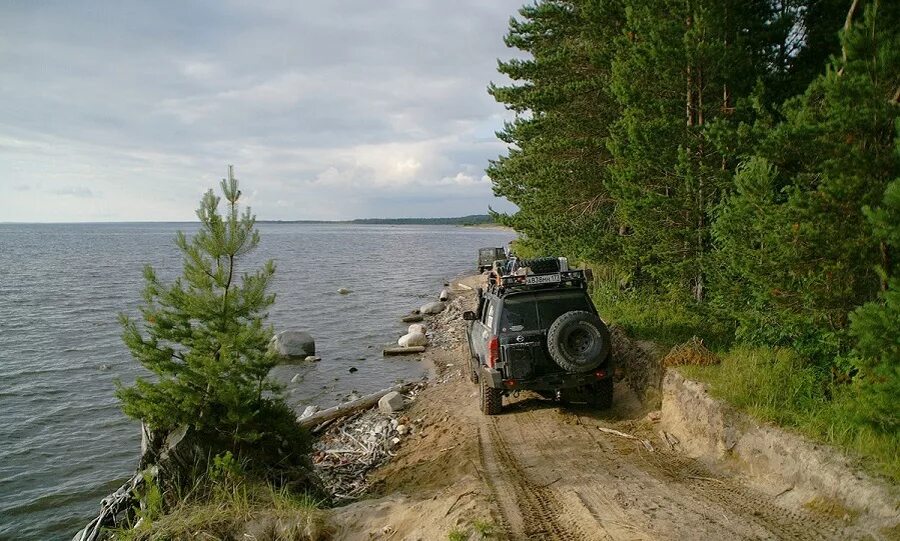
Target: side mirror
{"points": [[469, 315]]}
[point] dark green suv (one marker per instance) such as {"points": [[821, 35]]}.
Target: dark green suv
{"points": [[539, 332]]}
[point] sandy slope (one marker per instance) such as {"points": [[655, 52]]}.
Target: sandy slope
{"points": [[542, 471]]}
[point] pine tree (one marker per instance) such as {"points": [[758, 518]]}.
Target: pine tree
{"points": [[555, 168], [802, 257], [874, 325], [682, 68], [204, 339]]}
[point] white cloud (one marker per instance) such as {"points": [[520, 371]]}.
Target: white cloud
{"points": [[329, 110]]}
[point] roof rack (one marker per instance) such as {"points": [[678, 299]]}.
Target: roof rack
{"points": [[525, 282]]}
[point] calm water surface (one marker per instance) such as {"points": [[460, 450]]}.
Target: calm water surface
{"points": [[64, 444]]}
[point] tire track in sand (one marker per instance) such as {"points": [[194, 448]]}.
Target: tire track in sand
{"points": [[528, 510]]}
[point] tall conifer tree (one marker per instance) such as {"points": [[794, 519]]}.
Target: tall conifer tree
{"points": [[556, 165], [204, 337]]}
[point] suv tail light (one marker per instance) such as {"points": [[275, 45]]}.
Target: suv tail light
{"points": [[493, 352]]}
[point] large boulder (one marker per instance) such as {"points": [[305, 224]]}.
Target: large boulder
{"points": [[293, 345], [412, 339], [433, 308], [391, 402]]}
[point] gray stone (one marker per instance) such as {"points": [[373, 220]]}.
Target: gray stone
{"points": [[312, 359], [391, 402], [445, 295], [293, 344], [412, 318], [344, 291], [433, 308]]}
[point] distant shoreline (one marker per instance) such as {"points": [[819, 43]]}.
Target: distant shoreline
{"points": [[477, 220]]}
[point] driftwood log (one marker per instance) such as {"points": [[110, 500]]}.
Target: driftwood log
{"points": [[403, 350], [349, 407], [111, 509]]}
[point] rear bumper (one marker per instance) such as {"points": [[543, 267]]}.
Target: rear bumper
{"points": [[549, 382]]}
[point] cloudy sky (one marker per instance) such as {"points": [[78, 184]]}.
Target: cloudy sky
{"points": [[328, 109]]}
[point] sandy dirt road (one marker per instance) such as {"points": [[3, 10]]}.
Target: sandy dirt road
{"points": [[546, 471], [555, 475]]}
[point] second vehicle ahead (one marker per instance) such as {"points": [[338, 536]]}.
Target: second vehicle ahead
{"points": [[539, 332], [487, 256]]}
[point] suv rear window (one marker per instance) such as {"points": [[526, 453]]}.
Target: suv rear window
{"points": [[532, 311]]}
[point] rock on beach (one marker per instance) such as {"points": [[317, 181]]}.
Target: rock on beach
{"points": [[417, 328], [293, 344], [412, 339], [391, 402], [433, 308]]}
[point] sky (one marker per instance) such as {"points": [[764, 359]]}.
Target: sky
{"points": [[328, 109]]}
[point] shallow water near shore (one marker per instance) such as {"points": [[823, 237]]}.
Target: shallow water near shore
{"points": [[64, 444]]}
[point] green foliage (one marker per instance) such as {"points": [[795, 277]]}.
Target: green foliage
{"points": [[875, 324], [555, 167], [795, 249], [457, 535], [484, 528], [204, 340], [731, 169], [246, 509]]}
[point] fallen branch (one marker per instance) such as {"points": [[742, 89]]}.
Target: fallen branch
{"points": [[456, 501], [349, 407], [643, 442], [403, 350], [617, 433]]}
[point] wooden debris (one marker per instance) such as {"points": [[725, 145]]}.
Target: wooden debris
{"points": [[347, 408], [645, 443], [617, 433], [403, 350], [353, 446]]}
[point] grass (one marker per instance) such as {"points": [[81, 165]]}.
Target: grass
{"points": [[234, 510], [777, 385], [457, 535], [771, 384], [662, 318], [484, 528]]}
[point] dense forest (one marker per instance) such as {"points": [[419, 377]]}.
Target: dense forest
{"points": [[732, 169]]}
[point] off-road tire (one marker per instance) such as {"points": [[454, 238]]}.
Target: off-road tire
{"points": [[578, 341], [473, 369], [491, 400], [601, 394]]}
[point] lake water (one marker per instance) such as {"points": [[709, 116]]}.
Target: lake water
{"points": [[64, 443]]}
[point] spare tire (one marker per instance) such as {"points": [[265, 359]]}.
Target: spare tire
{"points": [[541, 265], [578, 341]]}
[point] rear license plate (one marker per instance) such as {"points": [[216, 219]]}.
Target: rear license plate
{"points": [[543, 279]]}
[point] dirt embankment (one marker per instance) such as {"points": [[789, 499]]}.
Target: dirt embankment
{"points": [[543, 471]]}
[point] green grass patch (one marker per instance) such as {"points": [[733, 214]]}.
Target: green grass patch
{"points": [[779, 386], [233, 508], [660, 317]]}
